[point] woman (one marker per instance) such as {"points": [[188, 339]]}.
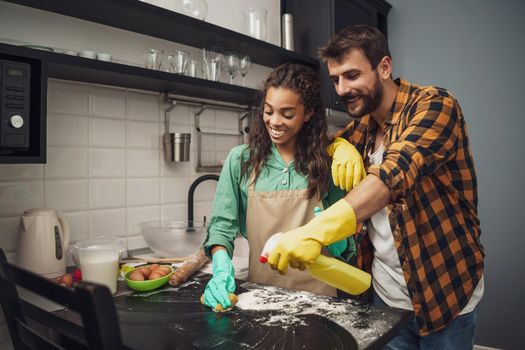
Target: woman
{"points": [[273, 184]]}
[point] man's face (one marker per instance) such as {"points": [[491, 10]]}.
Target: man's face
{"points": [[357, 83]]}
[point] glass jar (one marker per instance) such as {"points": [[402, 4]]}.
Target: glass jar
{"points": [[194, 8]]}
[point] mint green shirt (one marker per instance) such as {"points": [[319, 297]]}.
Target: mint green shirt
{"points": [[231, 197]]}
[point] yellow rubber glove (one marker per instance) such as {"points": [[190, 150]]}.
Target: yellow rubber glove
{"points": [[301, 246], [348, 168]]}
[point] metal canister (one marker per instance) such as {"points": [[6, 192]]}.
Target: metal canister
{"points": [[287, 31], [177, 147]]}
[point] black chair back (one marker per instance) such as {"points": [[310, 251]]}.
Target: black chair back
{"points": [[92, 301]]}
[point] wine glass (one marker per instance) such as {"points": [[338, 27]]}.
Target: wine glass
{"points": [[232, 65], [244, 66]]}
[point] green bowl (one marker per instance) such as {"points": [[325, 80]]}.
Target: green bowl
{"points": [[147, 285]]}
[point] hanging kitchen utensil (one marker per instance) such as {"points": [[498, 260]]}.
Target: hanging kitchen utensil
{"points": [[213, 147], [176, 145]]}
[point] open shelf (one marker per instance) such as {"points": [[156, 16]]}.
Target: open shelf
{"points": [[140, 17], [76, 68]]}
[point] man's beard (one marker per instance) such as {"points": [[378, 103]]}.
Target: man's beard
{"points": [[371, 101]]}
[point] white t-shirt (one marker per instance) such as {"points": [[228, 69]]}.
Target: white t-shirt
{"points": [[388, 280]]}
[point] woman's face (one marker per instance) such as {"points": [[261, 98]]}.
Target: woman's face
{"points": [[284, 117]]}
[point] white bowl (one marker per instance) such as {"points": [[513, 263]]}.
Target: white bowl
{"points": [[104, 57], [173, 239], [87, 54]]}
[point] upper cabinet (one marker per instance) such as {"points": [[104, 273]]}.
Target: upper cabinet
{"points": [[315, 22], [139, 17]]}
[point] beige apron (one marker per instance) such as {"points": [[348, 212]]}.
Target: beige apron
{"points": [[279, 211]]}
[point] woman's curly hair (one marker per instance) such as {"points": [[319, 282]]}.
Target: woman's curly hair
{"points": [[311, 158]]}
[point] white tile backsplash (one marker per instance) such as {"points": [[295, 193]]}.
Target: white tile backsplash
{"points": [[141, 214], [143, 192], [105, 162], [66, 163], [16, 197], [175, 212], [108, 102], [67, 130], [78, 225], [18, 172], [8, 237], [106, 170], [143, 135], [175, 189], [108, 222], [107, 132], [178, 168], [107, 193], [67, 195], [142, 163], [67, 97], [143, 106]]}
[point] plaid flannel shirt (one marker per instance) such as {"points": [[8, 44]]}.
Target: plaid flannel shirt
{"points": [[428, 167]]}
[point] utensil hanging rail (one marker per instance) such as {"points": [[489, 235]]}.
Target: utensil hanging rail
{"points": [[208, 157], [194, 101]]}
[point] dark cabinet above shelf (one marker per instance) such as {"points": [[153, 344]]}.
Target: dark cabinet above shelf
{"points": [[140, 17], [76, 68]]}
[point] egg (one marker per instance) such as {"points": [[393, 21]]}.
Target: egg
{"points": [[165, 268], [146, 270], [136, 275], [154, 266], [154, 275]]}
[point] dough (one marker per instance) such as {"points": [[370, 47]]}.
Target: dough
{"points": [[233, 300]]}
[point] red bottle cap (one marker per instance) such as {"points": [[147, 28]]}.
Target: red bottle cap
{"points": [[263, 259], [77, 275]]}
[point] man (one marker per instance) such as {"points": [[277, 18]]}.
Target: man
{"points": [[418, 201]]}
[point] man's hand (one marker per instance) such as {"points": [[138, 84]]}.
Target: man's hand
{"points": [[301, 246], [336, 248], [348, 168], [295, 248]]}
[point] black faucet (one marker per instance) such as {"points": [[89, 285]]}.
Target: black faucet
{"points": [[192, 191]]}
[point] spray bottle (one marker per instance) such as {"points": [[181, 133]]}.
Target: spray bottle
{"points": [[329, 270]]}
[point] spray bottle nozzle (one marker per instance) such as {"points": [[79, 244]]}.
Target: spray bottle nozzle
{"points": [[268, 247]]}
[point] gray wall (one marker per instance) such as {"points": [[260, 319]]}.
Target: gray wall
{"points": [[475, 49]]}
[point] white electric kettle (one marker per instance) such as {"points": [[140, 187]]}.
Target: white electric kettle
{"points": [[43, 238]]}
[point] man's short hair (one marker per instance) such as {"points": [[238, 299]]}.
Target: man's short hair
{"points": [[372, 43]]}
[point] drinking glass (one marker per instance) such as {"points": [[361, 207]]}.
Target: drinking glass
{"points": [[212, 63], [178, 62], [153, 58], [193, 8], [255, 22], [232, 65], [193, 68], [244, 66], [212, 69]]}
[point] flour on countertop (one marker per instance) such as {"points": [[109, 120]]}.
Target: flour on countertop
{"points": [[364, 322]]}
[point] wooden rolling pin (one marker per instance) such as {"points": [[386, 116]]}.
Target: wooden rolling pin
{"points": [[193, 264]]}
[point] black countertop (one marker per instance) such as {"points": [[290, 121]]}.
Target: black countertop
{"points": [[266, 317]]}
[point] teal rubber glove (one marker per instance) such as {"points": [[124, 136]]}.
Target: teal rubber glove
{"points": [[336, 248], [222, 283]]}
